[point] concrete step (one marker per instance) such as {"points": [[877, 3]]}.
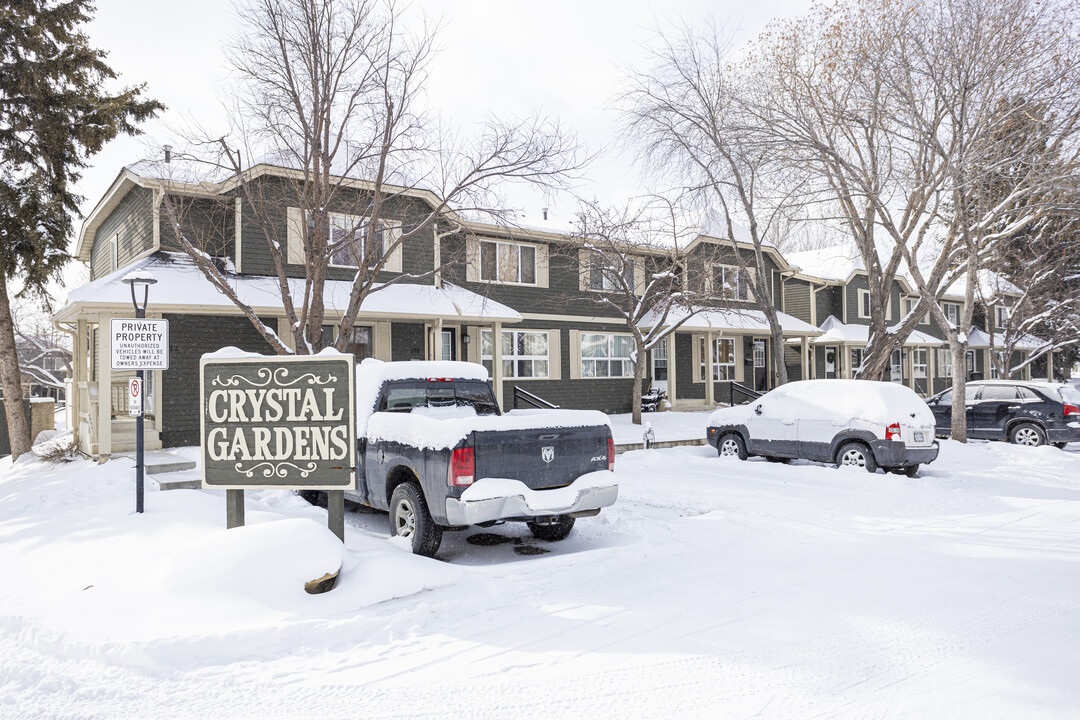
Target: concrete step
{"points": [[626, 447], [160, 462], [181, 480]]}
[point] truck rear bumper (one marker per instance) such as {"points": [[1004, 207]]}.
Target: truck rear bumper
{"points": [[504, 499]]}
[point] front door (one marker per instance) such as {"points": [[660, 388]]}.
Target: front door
{"points": [[659, 365], [761, 368], [449, 344], [830, 361]]}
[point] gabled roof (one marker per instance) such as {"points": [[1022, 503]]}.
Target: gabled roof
{"points": [[836, 332]]}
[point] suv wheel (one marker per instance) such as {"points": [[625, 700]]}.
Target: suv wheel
{"points": [[856, 454], [731, 445], [1027, 434], [409, 518]]}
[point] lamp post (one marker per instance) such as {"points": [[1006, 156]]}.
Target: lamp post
{"points": [[143, 281]]}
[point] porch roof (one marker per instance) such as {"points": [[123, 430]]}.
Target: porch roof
{"points": [[736, 320], [980, 339], [182, 287], [837, 333]]}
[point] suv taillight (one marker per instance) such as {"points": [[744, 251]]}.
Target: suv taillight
{"points": [[461, 467], [893, 432], [1071, 410], [610, 454]]}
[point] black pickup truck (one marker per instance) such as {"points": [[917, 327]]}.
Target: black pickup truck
{"points": [[436, 453]]}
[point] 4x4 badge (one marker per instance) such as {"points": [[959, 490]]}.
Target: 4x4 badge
{"points": [[547, 454]]}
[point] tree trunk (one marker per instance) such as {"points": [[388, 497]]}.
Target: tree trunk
{"points": [[779, 366], [10, 377], [639, 377], [959, 402]]}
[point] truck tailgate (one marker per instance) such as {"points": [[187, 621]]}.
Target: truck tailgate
{"points": [[541, 458]]}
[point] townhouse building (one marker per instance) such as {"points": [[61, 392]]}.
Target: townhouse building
{"points": [[518, 299]]}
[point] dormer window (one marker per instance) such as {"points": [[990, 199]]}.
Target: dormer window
{"points": [[348, 236], [952, 313], [730, 281], [603, 275], [1002, 316]]}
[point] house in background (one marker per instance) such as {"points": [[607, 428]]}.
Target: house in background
{"points": [[513, 298]]}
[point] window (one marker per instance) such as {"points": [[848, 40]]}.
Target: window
{"points": [[1002, 316], [524, 353], [864, 303], [603, 273], [896, 368], [856, 359], [114, 251], [348, 234], [506, 262], [909, 307], [952, 313], [730, 281], [359, 344], [918, 363], [606, 355], [404, 396], [998, 392], [659, 361], [723, 366], [945, 363]]}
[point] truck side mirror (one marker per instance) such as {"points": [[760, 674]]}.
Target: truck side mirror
{"points": [[757, 409]]}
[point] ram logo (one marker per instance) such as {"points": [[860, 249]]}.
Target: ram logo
{"points": [[547, 454]]}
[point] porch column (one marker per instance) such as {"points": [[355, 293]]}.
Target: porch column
{"points": [[79, 375], [496, 361], [709, 350], [804, 356], [671, 369], [1050, 366], [436, 340], [104, 383]]}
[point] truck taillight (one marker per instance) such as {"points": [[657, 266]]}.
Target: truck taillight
{"points": [[461, 467], [1071, 410], [893, 432], [610, 454]]}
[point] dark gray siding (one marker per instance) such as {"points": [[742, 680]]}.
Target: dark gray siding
{"points": [[797, 299], [829, 302], [685, 388], [273, 197], [793, 361], [406, 341], [207, 223], [189, 337], [132, 220]]}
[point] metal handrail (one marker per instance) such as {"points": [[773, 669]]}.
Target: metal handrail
{"points": [[749, 393], [527, 397]]}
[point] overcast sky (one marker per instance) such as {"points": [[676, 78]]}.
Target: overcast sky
{"points": [[562, 57]]}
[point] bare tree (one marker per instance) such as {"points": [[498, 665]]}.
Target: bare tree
{"points": [[332, 91], [691, 118], [633, 263]]}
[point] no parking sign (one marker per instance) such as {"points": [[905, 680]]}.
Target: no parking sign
{"points": [[135, 397]]}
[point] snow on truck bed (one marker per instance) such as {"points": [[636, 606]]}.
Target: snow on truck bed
{"points": [[843, 400]]}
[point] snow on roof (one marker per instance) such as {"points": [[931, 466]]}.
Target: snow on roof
{"points": [[989, 285], [181, 283], [732, 319], [838, 332], [836, 262], [713, 224], [978, 338]]}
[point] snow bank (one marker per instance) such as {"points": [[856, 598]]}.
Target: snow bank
{"points": [[438, 430], [844, 401], [265, 562]]}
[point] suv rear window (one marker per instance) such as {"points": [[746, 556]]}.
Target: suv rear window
{"points": [[404, 396], [1069, 394]]}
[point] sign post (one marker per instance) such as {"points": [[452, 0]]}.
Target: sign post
{"points": [[139, 345], [279, 422]]}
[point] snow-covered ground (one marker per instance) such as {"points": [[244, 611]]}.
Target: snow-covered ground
{"points": [[666, 426], [713, 588]]}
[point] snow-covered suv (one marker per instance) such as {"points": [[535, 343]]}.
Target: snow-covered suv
{"points": [[847, 422]]}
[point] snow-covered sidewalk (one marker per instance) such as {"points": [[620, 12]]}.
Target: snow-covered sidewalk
{"points": [[667, 426], [713, 588]]}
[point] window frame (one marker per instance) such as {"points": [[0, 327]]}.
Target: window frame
{"points": [[514, 358], [627, 360], [1001, 316], [518, 247], [945, 305], [909, 306], [925, 364], [359, 224], [741, 287], [731, 367], [606, 277]]}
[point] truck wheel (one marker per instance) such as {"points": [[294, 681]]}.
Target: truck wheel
{"points": [[1027, 434], [731, 445], [552, 533], [409, 518], [856, 454]]}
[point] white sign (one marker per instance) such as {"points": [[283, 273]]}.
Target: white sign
{"points": [[140, 344], [135, 397]]}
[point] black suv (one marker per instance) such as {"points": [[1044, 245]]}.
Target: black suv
{"points": [[1025, 413]]}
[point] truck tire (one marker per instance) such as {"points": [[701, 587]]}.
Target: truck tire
{"points": [[409, 517], [731, 445], [552, 533], [856, 454], [1027, 434]]}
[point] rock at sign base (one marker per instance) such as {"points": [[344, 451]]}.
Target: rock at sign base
{"points": [[324, 584]]}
